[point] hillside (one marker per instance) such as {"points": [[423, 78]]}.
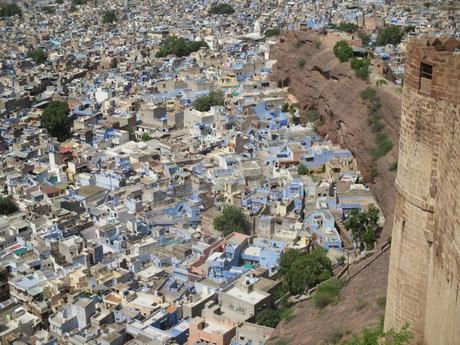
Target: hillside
{"points": [[321, 82]]}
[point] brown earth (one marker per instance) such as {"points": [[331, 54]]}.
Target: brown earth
{"points": [[330, 87]]}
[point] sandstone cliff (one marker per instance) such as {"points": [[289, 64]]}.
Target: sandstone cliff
{"points": [[330, 87]]}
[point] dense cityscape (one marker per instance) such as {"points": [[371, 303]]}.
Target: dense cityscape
{"points": [[161, 185]]}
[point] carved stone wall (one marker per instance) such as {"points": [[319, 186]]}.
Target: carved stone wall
{"points": [[424, 275]]}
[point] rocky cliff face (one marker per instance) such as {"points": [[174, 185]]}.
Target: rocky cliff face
{"points": [[330, 87], [321, 82]]}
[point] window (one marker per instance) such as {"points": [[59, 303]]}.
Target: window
{"points": [[426, 71], [426, 75]]}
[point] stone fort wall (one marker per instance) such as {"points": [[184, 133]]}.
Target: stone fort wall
{"points": [[424, 275]]}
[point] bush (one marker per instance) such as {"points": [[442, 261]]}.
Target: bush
{"points": [[361, 67], [303, 170], [347, 27], [205, 103], [363, 225], [301, 63], [222, 8], [272, 32], [343, 51], [146, 137], [318, 45], [48, 10], [376, 124], [382, 302], [376, 336], [384, 145], [310, 115], [56, 120], [285, 108], [368, 94], [38, 55], [10, 10], [393, 166], [365, 39], [109, 17], [178, 46], [232, 219], [391, 34], [327, 293], [7, 206], [79, 2], [301, 270]]}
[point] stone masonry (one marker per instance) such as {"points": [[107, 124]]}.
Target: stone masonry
{"points": [[424, 275]]}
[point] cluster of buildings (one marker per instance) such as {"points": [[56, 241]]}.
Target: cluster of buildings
{"points": [[113, 241]]}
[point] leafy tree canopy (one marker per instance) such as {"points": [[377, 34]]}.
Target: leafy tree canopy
{"points": [[232, 219], [391, 34], [301, 270], [347, 27], [205, 103], [109, 17], [38, 55], [302, 170], [343, 51], [222, 8], [79, 2], [56, 120], [178, 46], [9, 10], [7, 206], [363, 225]]}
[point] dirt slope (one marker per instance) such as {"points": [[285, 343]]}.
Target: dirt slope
{"points": [[325, 84]]}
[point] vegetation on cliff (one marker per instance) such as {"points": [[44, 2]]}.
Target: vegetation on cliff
{"points": [[272, 32], [343, 51]]}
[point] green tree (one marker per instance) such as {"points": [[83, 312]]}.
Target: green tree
{"points": [[10, 10], [363, 225], [38, 55], [365, 39], [146, 137], [214, 98], [222, 8], [109, 17], [178, 46], [391, 34], [303, 170], [343, 51], [272, 32], [347, 27], [7, 206], [79, 2], [301, 270], [56, 120], [232, 219]]}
